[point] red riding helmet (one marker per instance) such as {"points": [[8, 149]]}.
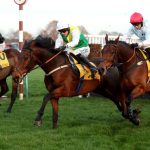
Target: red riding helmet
{"points": [[136, 18]]}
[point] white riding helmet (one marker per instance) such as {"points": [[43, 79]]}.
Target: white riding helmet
{"points": [[62, 25]]}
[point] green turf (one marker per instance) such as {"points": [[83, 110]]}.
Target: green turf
{"points": [[84, 124]]}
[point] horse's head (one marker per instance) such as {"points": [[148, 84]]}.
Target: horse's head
{"points": [[39, 51], [26, 60], [117, 53], [109, 52]]}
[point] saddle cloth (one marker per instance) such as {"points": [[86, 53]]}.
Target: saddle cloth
{"points": [[84, 71], [147, 62], [3, 60]]}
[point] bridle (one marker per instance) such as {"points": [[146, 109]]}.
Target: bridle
{"points": [[50, 59], [42, 64], [116, 55]]}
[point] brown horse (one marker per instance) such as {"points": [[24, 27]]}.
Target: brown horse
{"points": [[13, 58], [133, 74], [95, 52], [61, 80]]}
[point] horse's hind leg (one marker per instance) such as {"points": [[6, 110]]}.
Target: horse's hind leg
{"points": [[40, 112], [13, 95], [4, 87]]}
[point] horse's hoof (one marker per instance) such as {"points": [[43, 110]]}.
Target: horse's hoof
{"points": [[137, 111], [38, 123], [136, 121], [125, 116], [54, 126], [8, 111]]}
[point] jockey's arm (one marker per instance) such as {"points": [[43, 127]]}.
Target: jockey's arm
{"points": [[145, 43], [59, 41], [75, 39]]}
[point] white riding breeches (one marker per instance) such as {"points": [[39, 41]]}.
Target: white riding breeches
{"points": [[85, 51]]}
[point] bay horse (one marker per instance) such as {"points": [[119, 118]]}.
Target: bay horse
{"points": [[134, 80], [109, 82], [13, 58], [61, 80]]}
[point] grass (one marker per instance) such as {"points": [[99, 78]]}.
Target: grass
{"points": [[84, 124]]}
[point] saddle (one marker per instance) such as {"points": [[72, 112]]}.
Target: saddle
{"points": [[145, 55], [84, 71]]}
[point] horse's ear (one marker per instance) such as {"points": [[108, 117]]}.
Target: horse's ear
{"points": [[117, 39], [106, 38]]}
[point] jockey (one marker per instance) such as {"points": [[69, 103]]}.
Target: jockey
{"points": [[2, 43], [72, 40], [139, 30]]}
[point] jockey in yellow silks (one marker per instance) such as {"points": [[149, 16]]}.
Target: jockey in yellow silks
{"points": [[72, 40]]}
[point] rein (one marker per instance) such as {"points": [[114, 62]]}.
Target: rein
{"points": [[47, 60], [127, 61], [21, 78], [131, 57]]}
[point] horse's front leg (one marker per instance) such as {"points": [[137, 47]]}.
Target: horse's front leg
{"points": [[54, 102], [134, 114], [130, 114], [13, 95], [38, 119]]}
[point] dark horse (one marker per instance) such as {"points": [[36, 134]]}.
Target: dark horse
{"points": [[13, 58], [110, 80], [61, 80], [134, 80], [110, 84]]}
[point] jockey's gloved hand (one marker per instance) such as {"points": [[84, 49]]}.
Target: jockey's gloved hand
{"points": [[134, 45], [62, 48]]}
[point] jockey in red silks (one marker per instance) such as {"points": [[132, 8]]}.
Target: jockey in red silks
{"points": [[139, 30]]}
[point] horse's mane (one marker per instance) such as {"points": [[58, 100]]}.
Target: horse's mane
{"points": [[40, 41], [47, 43], [44, 42], [26, 44], [120, 42]]}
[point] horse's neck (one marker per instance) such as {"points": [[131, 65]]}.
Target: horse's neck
{"points": [[124, 54], [51, 60]]}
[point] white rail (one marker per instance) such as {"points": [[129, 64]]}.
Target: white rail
{"points": [[100, 39]]}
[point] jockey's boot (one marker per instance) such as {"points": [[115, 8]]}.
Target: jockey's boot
{"points": [[86, 62]]}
